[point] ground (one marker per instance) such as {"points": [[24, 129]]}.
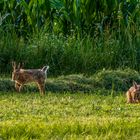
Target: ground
{"points": [[68, 116]]}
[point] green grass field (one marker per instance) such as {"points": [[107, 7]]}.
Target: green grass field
{"points": [[68, 116], [93, 50]]}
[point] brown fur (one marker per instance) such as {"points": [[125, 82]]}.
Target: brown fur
{"points": [[23, 76], [133, 94]]}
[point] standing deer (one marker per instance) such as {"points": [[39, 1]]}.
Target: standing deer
{"points": [[23, 76], [133, 94]]}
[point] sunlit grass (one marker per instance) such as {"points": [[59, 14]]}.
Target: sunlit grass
{"points": [[67, 116]]}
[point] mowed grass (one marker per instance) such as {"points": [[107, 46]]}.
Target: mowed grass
{"points": [[69, 116]]}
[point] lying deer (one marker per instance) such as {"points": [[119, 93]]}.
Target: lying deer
{"points": [[23, 76], [133, 94]]}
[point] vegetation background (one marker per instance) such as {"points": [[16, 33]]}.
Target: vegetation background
{"points": [[72, 36]]}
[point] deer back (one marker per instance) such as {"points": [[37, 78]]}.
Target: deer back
{"points": [[29, 75]]}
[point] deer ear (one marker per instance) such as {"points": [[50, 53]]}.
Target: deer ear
{"points": [[22, 65], [14, 65], [19, 66], [135, 84]]}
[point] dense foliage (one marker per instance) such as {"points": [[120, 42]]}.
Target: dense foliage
{"points": [[71, 36], [69, 16]]}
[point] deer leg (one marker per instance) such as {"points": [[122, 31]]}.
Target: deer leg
{"points": [[20, 88], [134, 98], [41, 87], [17, 86], [137, 98], [129, 97]]}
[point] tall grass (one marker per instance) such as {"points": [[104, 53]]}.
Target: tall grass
{"points": [[67, 55], [70, 37]]}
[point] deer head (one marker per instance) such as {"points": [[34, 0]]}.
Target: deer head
{"points": [[16, 69], [136, 87]]}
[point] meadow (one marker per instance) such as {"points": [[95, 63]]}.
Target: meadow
{"points": [[68, 116], [74, 107]]}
